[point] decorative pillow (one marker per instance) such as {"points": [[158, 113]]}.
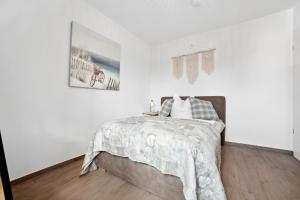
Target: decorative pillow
{"points": [[166, 108], [181, 109], [203, 109]]}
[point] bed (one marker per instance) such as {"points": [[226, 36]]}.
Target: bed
{"points": [[196, 176]]}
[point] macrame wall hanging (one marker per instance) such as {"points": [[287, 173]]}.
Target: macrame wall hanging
{"points": [[192, 64], [178, 67], [208, 62]]}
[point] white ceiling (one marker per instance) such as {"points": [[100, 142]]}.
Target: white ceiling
{"points": [[158, 21]]}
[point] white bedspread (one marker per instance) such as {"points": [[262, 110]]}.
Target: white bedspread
{"points": [[188, 149]]}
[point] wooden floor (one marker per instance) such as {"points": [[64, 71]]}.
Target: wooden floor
{"points": [[1, 190], [258, 174], [248, 174]]}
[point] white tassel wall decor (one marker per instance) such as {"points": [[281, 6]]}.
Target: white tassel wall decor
{"points": [[208, 62], [192, 64], [192, 67], [178, 67]]}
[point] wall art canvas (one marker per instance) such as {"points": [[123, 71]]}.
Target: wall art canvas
{"points": [[94, 60]]}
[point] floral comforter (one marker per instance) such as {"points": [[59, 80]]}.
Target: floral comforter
{"points": [[188, 149]]}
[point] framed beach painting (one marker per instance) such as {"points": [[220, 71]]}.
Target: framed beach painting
{"points": [[94, 60]]}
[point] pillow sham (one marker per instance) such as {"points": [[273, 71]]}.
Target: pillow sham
{"points": [[166, 108], [181, 109], [203, 109]]}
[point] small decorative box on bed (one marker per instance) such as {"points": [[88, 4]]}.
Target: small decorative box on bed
{"points": [[176, 159]]}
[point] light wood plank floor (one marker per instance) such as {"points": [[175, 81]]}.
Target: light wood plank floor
{"points": [[1, 190], [248, 174]]}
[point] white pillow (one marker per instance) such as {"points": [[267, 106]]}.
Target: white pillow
{"points": [[181, 109]]}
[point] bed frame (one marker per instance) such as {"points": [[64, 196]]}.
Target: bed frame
{"points": [[147, 177]]}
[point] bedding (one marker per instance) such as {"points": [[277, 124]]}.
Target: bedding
{"points": [[181, 109], [188, 149], [166, 107], [203, 109]]}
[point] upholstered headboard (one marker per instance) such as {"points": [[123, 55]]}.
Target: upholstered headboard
{"points": [[219, 104]]}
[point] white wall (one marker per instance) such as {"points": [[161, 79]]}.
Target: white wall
{"points": [[253, 70], [297, 81], [43, 121]]}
